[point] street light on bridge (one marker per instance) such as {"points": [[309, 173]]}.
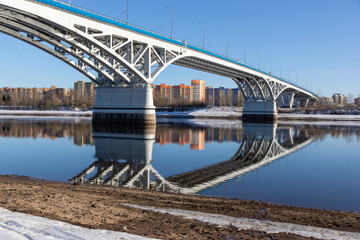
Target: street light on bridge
{"points": [[227, 43], [259, 57], [280, 69], [201, 22], [270, 64], [122, 14], [172, 21], [244, 51], [295, 76]]}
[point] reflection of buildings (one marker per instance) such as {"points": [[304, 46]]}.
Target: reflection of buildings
{"points": [[124, 157], [197, 142], [83, 138], [196, 137], [81, 132]]}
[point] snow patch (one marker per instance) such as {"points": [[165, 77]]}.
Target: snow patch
{"points": [[20, 226], [254, 224]]}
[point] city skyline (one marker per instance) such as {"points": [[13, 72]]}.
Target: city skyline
{"points": [[307, 44]]}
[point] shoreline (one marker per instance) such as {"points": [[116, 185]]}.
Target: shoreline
{"points": [[104, 207], [199, 114]]}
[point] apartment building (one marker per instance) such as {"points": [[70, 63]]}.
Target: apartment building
{"points": [[339, 98], [198, 91], [84, 89]]}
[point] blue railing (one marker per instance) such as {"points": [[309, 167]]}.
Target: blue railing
{"points": [[100, 17]]}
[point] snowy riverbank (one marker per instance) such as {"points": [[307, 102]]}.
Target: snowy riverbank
{"points": [[206, 113], [17, 226]]}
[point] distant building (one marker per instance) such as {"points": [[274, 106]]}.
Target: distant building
{"points": [[79, 89], [25, 94], [182, 92], [90, 89], [219, 96], [210, 96], [357, 101], [163, 91], [237, 98], [84, 89], [198, 91], [327, 100], [60, 93], [339, 98]]}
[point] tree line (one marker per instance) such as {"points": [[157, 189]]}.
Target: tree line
{"points": [[51, 101]]}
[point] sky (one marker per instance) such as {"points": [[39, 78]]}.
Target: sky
{"points": [[314, 43]]}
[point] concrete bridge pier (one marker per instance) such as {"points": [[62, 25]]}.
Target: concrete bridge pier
{"points": [[129, 105], [287, 100], [259, 111], [302, 102]]}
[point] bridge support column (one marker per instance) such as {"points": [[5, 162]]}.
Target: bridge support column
{"points": [[259, 111], [287, 100], [124, 105], [301, 102]]}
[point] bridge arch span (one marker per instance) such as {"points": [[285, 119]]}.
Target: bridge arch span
{"points": [[122, 54]]}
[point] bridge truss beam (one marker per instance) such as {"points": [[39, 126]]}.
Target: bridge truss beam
{"points": [[115, 58]]}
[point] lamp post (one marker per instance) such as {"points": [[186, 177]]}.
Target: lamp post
{"points": [[280, 69], [270, 64], [227, 44], [172, 21], [295, 76], [244, 52], [201, 22], [122, 13], [289, 72], [127, 11], [259, 57]]}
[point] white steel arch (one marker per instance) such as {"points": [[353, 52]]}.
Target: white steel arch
{"points": [[123, 54]]}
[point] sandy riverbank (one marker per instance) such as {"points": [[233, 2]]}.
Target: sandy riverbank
{"points": [[102, 208]]}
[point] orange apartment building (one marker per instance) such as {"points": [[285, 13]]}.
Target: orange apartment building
{"points": [[198, 91], [173, 93], [163, 91], [182, 92]]}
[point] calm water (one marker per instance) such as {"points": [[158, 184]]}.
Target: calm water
{"points": [[301, 164]]}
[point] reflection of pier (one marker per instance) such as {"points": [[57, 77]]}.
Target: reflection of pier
{"points": [[124, 158]]}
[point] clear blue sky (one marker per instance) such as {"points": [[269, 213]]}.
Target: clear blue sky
{"points": [[316, 40]]}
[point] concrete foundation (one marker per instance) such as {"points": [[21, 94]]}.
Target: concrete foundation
{"points": [[259, 111], [124, 105]]}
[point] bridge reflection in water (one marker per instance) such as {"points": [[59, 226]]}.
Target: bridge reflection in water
{"points": [[124, 158]]}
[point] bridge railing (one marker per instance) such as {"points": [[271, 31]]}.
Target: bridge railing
{"points": [[113, 19]]}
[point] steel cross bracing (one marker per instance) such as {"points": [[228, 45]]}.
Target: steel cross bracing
{"points": [[135, 175], [254, 152], [111, 55], [116, 59]]}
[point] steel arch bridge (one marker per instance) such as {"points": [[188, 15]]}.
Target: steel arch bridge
{"points": [[114, 54]]}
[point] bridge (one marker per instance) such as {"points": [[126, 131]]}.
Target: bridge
{"points": [[124, 60], [124, 159]]}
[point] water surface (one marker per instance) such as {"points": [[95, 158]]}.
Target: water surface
{"points": [[297, 164]]}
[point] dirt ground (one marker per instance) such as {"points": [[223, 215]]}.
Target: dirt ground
{"points": [[100, 207]]}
